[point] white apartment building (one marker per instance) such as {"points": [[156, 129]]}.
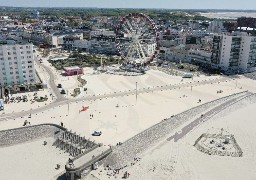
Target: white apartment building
{"points": [[235, 52], [17, 69]]}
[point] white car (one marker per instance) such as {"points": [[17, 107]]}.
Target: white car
{"points": [[96, 133]]}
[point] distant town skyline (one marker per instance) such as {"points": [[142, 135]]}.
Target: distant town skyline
{"points": [[166, 4]]}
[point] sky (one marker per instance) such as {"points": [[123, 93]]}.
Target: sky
{"points": [[167, 4]]}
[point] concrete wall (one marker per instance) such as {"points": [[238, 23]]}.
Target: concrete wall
{"points": [[20, 135]]}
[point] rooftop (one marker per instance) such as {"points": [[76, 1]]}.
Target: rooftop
{"points": [[71, 68]]}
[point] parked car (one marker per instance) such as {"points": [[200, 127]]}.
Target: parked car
{"points": [[59, 86], [62, 91], [96, 133]]}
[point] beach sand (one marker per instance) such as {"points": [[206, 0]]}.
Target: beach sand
{"points": [[32, 160]]}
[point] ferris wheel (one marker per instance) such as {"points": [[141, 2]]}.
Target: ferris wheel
{"points": [[137, 39]]}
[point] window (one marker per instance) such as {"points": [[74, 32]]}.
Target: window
{"points": [[11, 72], [28, 52], [9, 58], [22, 57], [10, 63], [30, 71], [13, 48], [14, 53], [23, 62], [21, 47], [15, 58], [17, 72], [22, 52], [15, 62], [8, 53], [27, 47]]}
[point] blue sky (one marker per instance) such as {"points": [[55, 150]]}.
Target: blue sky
{"points": [[168, 4]]}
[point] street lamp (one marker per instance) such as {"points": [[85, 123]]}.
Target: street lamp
{"points": [[136, 91]]}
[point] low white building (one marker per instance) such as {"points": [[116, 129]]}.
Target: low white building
{"points": [[102, 32], [200, 33], [84, 45], [57, 38], [200, 57], [177, 54]]}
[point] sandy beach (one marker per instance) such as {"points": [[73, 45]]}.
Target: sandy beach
{"points": [[32, 160], [228, 15], [121, 117]]}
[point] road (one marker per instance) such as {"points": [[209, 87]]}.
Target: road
{"points": [[59, 97], [61, 100]]}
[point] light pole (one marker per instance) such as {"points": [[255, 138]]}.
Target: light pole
{"points": [[136, 91], [68, 105], [68, 102], [237, 77]]}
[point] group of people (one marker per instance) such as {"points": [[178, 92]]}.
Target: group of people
{"points": [[26, 123]]}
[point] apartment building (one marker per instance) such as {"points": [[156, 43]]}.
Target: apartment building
{"points": [[234, 52], [17, 71]]}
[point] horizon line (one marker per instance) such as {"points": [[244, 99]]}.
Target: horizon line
{"points": [[66, 7]]}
